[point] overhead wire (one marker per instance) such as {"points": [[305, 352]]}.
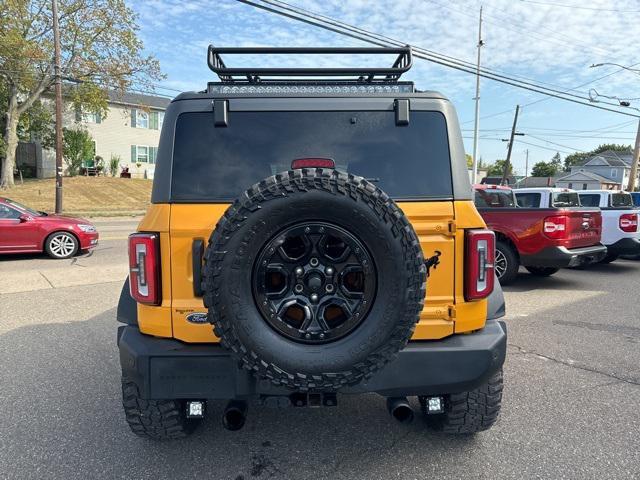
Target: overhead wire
{"points": [[299, 14]]}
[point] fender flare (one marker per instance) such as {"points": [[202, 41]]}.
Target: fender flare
{"points": [[127, 311]]}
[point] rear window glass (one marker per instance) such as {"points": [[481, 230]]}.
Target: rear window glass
{"points": [[218, 164], [590, 200], [565, 199], [494, 199], [528, 200], [621, 200]]}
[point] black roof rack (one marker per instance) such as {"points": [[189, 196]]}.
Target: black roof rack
{"points": [[255, 74]]}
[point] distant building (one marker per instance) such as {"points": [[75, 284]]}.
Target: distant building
{"points": [[607, 170], [511, 180], [537, 182], [131, 131]]}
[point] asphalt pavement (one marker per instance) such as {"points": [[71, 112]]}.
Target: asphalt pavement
{"points": [[570, 406]]}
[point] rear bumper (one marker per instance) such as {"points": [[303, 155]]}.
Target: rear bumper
{"points": [[560, 257], [165, 368], [625, 246]]}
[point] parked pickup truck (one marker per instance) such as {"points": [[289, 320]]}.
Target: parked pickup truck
{"points": [[620, 232], [549, 232]]}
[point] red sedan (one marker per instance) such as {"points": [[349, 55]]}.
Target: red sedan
{"points": [[23, 230]]}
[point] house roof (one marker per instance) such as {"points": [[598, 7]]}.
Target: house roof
{"points": [[580, 175], [497, 180], [612, 158], [139, 99]]}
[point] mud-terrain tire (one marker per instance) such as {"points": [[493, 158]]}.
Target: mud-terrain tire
{"points": [[155, 419], [507, 263], [542, 271], [283, 203], [469, 412]]}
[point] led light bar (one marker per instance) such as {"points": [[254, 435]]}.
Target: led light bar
{"points": [[306, 89]]}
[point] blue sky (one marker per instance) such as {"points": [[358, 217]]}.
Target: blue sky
{"points": [[551, 41]]}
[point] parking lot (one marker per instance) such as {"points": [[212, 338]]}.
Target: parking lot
{"points": [[572, 391]]}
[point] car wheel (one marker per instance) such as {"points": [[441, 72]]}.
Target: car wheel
{"points": [[314, 279], [468, 412], [61, 245], [506, 263], [542, 271]]}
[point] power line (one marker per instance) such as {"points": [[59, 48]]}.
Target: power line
{"points": [[580, 7], [342, 28]]}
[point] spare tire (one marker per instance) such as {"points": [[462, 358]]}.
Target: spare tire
{"points": [[314, 279]]}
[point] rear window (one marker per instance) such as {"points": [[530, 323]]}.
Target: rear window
{"points": [[218, 164], [621, 200], [565, 199], [528, 200], [590, 200], [494, 199]]}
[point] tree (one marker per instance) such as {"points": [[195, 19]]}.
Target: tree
{"points": [[100, 52], [77, 147], [556, 162], [496, 169], [544, 169], [469, 160]]}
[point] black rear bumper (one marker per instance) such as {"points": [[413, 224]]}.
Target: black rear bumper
{"points": [[170, 369], [625, 246], [561, 257]]}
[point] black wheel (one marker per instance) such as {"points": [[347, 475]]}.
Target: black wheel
{"points": [[542, 271], [314, 279], [155, 419], [61, 245], [469, 412], [506, 263], [610, 257]]}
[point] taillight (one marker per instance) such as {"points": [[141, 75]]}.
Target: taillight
{"points": [[313, 163], [144, 268], [480, 258], [556, 227], [629, 222]]}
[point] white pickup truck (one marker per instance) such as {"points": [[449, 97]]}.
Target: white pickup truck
{"points": [[620, 218]]}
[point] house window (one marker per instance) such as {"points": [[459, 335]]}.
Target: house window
{"points": [[614, 173], [570, 185], [88, 117], [143, 154], [142, 119], [160, 120], [584, 186]]}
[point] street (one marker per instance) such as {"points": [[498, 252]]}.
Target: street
{"points": [[570, 408]]}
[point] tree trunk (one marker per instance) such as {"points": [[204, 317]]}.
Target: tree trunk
{"points": [[11, 140]]}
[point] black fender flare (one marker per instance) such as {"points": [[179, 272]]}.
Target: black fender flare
{"points": [[127, 307], [496, 307]]}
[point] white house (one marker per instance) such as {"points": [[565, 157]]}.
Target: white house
{"points": [[608, 170]]}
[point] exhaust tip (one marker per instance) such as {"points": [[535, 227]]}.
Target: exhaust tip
{"points": [[400, 409], [235, 415]]}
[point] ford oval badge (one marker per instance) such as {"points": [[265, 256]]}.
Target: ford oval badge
{"points": [[197, 317]]}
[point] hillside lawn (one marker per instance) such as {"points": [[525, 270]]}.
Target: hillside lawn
{"points": [[85, 196]]}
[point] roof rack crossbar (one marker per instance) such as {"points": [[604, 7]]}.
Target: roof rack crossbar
{"points": [[402, 63]]}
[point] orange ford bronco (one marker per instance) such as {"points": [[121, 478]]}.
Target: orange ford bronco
{"points": [[311, 234]]}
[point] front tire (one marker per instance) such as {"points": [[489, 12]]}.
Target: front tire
{"points": [[155, 419], [469, 412], [506, 263], [542, 271], [61, 245]]}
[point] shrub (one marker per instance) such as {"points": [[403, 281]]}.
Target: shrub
{"points": [[114, 164], [78, 147]]}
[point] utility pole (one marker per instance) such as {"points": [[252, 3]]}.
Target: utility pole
{"points": [[476, 127], [634, 164], [58, 88], [526, 164], [508, 160]]}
